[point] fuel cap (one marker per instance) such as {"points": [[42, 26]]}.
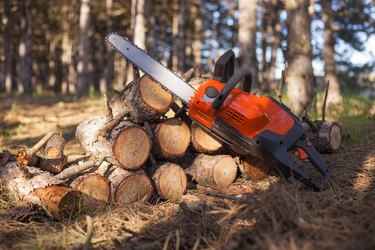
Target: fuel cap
{"points": [[211, 92]]}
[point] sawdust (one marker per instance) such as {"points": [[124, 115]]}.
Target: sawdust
{"points": [[278, 215]]}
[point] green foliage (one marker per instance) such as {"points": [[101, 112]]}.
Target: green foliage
{"points": [[355, 116]]}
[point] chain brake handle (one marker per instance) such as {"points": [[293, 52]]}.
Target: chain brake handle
{"points": [[244, 73]]}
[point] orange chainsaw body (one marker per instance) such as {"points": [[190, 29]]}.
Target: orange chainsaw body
{"points": [[247, 113]]}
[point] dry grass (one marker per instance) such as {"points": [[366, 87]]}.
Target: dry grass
{"points": [[278, 215]]}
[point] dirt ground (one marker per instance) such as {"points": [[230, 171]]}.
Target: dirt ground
{"points": [[278, 215]]}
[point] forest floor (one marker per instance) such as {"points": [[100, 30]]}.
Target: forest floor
{"points": [[277, 215]]}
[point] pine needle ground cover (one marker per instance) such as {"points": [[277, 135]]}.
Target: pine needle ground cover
{"points": [[278, 215]]}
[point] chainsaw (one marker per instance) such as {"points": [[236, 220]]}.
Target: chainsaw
{"points": [[254, 125]]}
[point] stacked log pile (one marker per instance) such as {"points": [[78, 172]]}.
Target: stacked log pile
{"points": [[133, 153]]}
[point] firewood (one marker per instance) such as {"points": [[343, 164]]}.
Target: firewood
{"points": [[129, 187], [93, 184], [144, 99], [328, 138], [4, 157], [172, 138], [203, 142], [170, 181], [41, 188], [53, 158], [254, 168], [31, 151], [217, 171], [60, 201], [128, 145]]}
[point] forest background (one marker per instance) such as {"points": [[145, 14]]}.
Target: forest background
{"points": [[50, 47]]}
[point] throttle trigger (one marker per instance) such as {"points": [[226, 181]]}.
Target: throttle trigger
{"points": [[302, 154]]}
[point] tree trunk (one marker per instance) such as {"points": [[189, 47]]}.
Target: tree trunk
{"points": [[127, 146], [41, 188], [172, 138], [84, 66], [274, 30], [143, 99], [109, 54], [299, 75], [25, 49], [129, 187], [202, 142], [217, 171], [170, 181], [7, 51], [197, 37], [334, 94], [247, 35]]}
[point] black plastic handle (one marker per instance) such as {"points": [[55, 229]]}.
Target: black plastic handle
{"points": [[232, 82], [224, 66]]}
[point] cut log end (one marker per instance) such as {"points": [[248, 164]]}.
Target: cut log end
{"points": [[93, 185], [170, 181], [335, 136], [134, 188], [254, 168], [203, 142], [154, 96], [217, 171], [173, 138], [132, 147], [224, 173]]}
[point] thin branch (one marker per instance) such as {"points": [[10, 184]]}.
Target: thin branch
{"points": [[76, 169], [111, 124], [325, 102], [31, 151]]}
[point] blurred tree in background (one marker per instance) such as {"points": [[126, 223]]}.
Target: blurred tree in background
{"points": [[59, 47]]}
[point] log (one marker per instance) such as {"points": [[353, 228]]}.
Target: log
{"points": [[172, 138], [144, 100], [170, 181], [53, 158], [203, 142], [129, 187], [217, 171], [128, 145], [328, 138], [254, 168], [94, 185], [41, 188]]}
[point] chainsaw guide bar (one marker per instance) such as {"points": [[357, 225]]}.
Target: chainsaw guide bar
{"points": [[168, 80]]}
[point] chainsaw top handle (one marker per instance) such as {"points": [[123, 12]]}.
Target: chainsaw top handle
{"points": [[232, 82]]}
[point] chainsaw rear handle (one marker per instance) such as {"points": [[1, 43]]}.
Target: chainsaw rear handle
{"points": [[232, 82], [289, 168]]}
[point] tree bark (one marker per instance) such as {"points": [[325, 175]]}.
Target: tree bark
{"points": [[299, 75], [247, 35], [25, 49], [7, 51], [84, 66], [327, 138], [127, 146], [41, 188], [172, 138], [217, 171], [129, 187], [170, 181], [334, 94], [143, 99], [202, 142]]}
